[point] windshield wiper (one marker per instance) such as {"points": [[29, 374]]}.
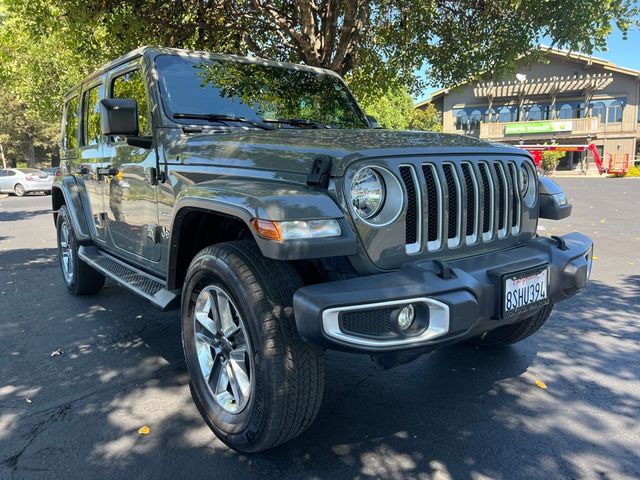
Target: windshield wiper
{"points": [[303, 122], [216, 117]]}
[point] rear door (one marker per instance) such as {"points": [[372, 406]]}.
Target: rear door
{"points": [[130, 191], [3, 180]]}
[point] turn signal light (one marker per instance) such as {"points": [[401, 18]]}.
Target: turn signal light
{"points": [[267, 229]]}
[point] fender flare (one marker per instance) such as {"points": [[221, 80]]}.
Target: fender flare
{"points": [[291, 204], [77, 206]]}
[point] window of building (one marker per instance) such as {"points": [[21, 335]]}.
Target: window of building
{"points": [[474, 119], [535, 113], [461, 120], [130, 85], [565, 112], [615, 112], [504, 114], [599, 110], [70, 137], [91, 115]]}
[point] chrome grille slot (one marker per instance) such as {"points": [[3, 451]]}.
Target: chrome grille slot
{"points": [[488, 202], [433, 196], [503, 199], [516, 205], [413, 216], [454, 204], [471, 207]]}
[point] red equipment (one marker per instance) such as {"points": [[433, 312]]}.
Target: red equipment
{"points": [[618, 164], [536, 153]]}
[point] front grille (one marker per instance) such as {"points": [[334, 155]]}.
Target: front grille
{"points": [[481, 198], [370, 322]]}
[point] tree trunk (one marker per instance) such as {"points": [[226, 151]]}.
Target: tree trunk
{"points": [[55, 157], [30, 153], [2, 157]]}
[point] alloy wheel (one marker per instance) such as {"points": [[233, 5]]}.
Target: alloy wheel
{"points": [[223, 349], [66, 253]]}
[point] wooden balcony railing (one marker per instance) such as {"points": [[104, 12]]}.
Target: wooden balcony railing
{"points": [[579, 126]]}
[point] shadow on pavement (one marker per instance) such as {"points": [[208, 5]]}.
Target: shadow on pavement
{"points": [[461, 412], [15, 216]]}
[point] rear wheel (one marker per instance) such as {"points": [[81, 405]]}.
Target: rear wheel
{"points": [[19, 190], [79, 277], [510, 334], [254, 380]]}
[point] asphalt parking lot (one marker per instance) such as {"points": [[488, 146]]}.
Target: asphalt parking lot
{"points": [[459, 412]]}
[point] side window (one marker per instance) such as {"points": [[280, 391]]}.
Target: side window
{"points": [[91, 115], [70, 139], [131, 85]]}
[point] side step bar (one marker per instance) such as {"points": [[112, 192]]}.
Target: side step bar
{"points": [[139, 282]]}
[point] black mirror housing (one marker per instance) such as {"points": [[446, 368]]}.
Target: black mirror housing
{"points": [[118, 116], [373, 123]]}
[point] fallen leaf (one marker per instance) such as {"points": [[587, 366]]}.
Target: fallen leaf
{"points": [[57, 352], [602, 221], [541, 384], [595, 257], [144, 430]]}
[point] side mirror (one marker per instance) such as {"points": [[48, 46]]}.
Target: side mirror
{"points": [[373, 123], [118, 116]]}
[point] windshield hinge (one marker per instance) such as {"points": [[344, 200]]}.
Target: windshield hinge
{"points": [[319, 175]]}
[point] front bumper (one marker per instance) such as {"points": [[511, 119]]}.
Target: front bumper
{"points": [[461, 300]]}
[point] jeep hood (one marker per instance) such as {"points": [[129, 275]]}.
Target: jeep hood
{"points": [[294, 150]]}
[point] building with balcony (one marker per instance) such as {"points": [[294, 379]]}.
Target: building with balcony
{"points": [[572, 99]]}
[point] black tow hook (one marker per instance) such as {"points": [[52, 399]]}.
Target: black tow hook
{"points": [[562, 245], [446, 272]]}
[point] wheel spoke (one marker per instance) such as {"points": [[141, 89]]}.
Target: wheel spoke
{"points": [[222, 382], [203, 315], [226, 317], [240, 372], [236, 389], [206, 360], [214, 309]]}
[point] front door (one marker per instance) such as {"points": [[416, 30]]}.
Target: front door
{"points": [[130, 193], [91, 158]]}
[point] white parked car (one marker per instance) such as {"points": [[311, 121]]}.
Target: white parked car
{"points": [[24, 180]]}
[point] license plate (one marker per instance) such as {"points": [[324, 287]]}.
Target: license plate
{"points": [[524, 291]]}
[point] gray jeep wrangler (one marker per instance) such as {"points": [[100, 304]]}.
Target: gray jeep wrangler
{"points": [[258, 198]]}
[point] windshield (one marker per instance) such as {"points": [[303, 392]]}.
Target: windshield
{"points": [[205, 86]]}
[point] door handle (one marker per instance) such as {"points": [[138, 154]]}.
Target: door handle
{"points": [[108, 171]]}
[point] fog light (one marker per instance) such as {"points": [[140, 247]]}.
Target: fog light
{"points": [[406, 317]]}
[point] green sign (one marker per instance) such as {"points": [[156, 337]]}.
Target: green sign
{"points": [[548, 126]]}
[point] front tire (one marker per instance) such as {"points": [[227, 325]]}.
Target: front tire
{"points": [[19, 190], [79, 278], [256, 383], [510, 334]]}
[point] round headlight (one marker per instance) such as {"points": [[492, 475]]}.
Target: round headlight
{"points": [[367, 192]]}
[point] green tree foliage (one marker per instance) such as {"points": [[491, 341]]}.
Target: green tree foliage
{"points": [[550, 160], [426, 118], [47, 45], [395, 110]]}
